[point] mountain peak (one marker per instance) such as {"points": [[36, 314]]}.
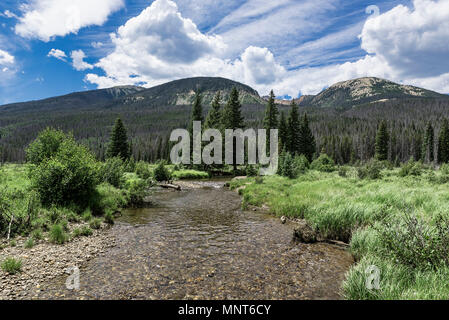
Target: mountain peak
{"points": [[368, 89]]}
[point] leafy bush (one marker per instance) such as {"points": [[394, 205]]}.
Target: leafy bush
{"points": [[301, 164], [161, 173], [37, 234], [45, 146], [67, 177], [411, 168], [58, 235], [414, 243], [323, 163], [343, 171], [107, 198], [112, 171], [143, 170], [371, 170], [11, 266], [136, 191]]}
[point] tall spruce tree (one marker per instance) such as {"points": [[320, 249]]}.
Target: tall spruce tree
{"points": [[213, 119], [197, 110], [283, 132], [118, 145], [443, 143], [307, 145], [271, 117], [294, 128], [428, 144], [382, 141], [232, 116]]}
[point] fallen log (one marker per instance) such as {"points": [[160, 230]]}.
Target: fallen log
{"points": [[170, 186]]}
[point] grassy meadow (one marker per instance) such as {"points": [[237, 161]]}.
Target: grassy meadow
{"points": [[397, 222]]}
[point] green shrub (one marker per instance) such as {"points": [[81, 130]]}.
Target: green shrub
{"points": [[107, 197], [95, 223], [29, 243], [67, 177], [112, 171], [371, 170], [45, 146], [129, 165], [37, 234], [251, 170], [301, 164], [11, 266], [287, 166], [161, 173], [323, 163], [143, 170], [58, 235], [136, 191], [414, 243], [343, 171], [411, 168]]}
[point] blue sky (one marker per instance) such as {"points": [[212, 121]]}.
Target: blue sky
{"points": [[54, 47]]}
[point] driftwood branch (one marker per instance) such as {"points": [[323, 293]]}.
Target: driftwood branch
{"points": [[170, 186]]}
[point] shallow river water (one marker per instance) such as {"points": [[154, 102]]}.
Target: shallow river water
{"points": [[199, 244]]}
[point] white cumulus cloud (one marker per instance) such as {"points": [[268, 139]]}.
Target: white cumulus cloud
{"points": [[58, 54], [46, 19], [415, 42], [6, 58], [160, 45], [78, 60]]}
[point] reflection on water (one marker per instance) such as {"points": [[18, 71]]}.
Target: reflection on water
{"points": [[198, 244]]}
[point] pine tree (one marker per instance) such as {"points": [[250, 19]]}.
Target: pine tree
{"points": [[294, 127], [118, 146], [443, 143], [382, 140], [283, 132], [197, 110], [213, 119], [232, 116], [307, 145], [429, 142], [271, 117]]}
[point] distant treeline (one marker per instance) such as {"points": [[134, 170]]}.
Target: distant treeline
{"points": [[347, 135]]}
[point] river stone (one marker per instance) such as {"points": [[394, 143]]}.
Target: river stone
{"points": [[283, 220], [304, 233]]}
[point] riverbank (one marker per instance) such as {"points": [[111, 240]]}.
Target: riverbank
{"points": [[382, 219], [46, 261]]}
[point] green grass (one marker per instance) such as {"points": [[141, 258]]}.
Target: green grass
{"points": [[348, 209], [189, 174], [11, 266]]}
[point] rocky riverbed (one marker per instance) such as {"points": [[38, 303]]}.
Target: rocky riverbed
{"points": [[45, 261], [199, 244]]}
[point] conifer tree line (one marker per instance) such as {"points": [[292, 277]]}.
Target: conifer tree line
{"points": [[348, 136]]}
